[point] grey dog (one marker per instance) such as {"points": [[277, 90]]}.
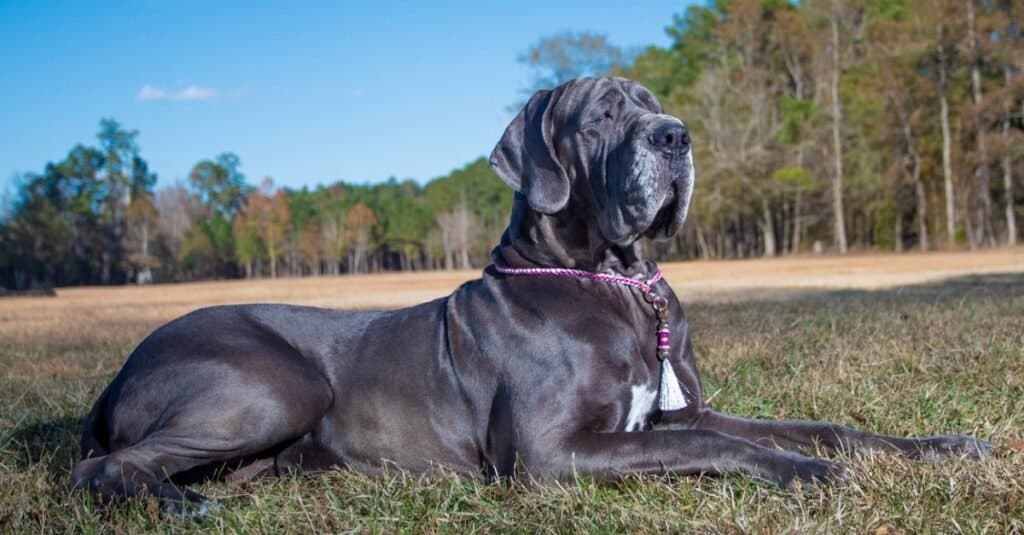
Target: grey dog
{"points": [[541, 376]]}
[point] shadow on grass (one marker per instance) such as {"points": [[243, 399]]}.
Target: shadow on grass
{"points": [[962, 287], [980, 285], [52, 443]]}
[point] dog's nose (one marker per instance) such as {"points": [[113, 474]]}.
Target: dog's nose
{"points": [[671, 136]]}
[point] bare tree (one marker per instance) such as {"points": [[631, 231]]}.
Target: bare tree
{"points": [[457, 228], [837, 140], [464, 226], [446, 224], [1007, 160], [942, 71], [332, 228], [177, 209], [981, 217], [735, 101], [792, 32], [359, 221], [1009, 53], [142, 226], [914, 157]]}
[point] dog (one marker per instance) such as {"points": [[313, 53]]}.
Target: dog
{"points": [[568, 357]]}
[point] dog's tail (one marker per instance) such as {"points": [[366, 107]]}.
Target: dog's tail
{"points": [[95, 434]]}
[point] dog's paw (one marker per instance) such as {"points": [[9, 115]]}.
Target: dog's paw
{"points": [[953, 446], [195, 510], [801, 471]]}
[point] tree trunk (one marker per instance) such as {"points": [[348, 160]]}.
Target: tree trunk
{"points": [[145, 240], [947, 166], [797, 220], [784, 227], [767, 229], [1011, 220], [915, 161], [898, 233], [293, 259], [922, 207], [359, 254], [837, 117], [702, 243], [105, 268], [738, 240], [982, 213]]}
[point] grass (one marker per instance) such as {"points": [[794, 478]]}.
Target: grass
{"points": [[939, 357]]}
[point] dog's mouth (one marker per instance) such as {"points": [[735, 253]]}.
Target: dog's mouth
{"points": [[664, 220]]}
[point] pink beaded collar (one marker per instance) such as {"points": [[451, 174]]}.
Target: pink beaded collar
{"points": [[658, 302], [670, 392]]}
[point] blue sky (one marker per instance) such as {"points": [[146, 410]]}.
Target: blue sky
{"points": [[306, 93]]}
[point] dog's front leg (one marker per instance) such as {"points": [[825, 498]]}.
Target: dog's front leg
{"points": [[806, 436], [689, 452]]}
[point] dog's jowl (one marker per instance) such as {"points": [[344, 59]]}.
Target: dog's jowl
{"points": [[568, 356]]}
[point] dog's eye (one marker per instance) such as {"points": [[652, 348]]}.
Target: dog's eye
{"points": [[606, 116]]}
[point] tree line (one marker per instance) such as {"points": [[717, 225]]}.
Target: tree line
{"points": [[823, 124], [888, 124], [96, 218]]}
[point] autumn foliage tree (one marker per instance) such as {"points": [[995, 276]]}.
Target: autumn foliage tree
{"points": [[265, 217]]}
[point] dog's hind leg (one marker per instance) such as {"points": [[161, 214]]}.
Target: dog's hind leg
{"points": [[146, 467], [215, 416], [129, 473]]}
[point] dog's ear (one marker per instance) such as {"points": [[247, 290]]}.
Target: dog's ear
{"points": [[525, 157]]}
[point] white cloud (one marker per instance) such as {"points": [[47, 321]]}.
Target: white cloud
{"points": [[149, 92], [194, 92], [191, 93]]}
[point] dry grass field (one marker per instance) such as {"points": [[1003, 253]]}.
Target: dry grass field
{"points": [[902, 344]]}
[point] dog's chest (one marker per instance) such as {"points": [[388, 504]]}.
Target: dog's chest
{"points": [[642, 400]]}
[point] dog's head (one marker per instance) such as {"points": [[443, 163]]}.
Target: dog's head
{"points": [[605, 145]]}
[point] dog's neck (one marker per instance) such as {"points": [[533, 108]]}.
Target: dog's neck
{"points": [[565, 239]]}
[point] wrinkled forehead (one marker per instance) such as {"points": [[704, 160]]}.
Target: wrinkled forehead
{"points": [[587, 95]]}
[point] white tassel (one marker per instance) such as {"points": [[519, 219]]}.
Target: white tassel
{"points": [[670, 396]]}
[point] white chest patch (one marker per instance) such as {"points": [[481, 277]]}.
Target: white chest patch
{"points": [[640, 405]]}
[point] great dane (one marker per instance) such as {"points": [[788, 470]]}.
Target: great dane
{"points": [[542, 376]]}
